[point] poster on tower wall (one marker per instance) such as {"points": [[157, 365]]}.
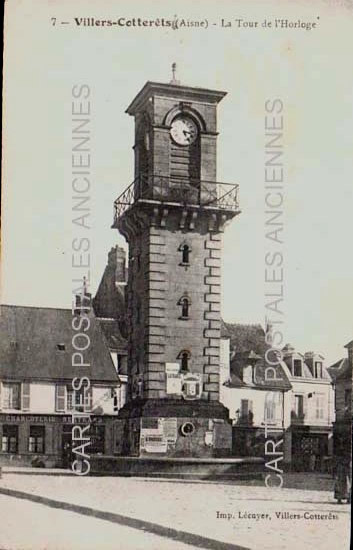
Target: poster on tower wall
{"points": [[173, 378], [175, 236]]}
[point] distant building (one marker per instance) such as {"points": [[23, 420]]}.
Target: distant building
{"points": [[341, 373], [310, 410], [37, 397], [255, 401], [297, 405], [110, 311]]}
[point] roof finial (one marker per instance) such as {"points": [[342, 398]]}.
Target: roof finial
{"points": [[174, 80]]}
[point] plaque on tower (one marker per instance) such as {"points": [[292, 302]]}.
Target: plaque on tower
{"points": [[174, 380], [191, 386]]}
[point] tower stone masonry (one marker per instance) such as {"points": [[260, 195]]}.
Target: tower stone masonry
{"points": [[173, 217]]}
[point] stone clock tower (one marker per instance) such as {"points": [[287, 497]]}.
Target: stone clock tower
{"points": [[173, 216]]}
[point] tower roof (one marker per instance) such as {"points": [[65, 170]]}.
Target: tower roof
{"points": [[187, 93]]}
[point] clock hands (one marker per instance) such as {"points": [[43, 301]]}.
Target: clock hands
{"points": [[183, 132], [188, 134]]}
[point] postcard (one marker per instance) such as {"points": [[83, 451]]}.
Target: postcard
{"points": [[176, 343]]}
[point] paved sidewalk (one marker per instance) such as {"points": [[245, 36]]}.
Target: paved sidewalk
{"points": [[253, 517], [28, 526]]}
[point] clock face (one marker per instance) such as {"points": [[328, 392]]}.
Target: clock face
{"points": [[183, 131]]}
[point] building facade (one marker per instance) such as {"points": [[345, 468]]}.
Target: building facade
{"points": [[341, 373], [255, 401], [297, 407], [109, 305], [310, 411], [45, 390]]}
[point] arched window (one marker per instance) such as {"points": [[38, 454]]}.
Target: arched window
{"points": [[185, 308], [184, 357], [184, 361], [184, 302], [185, 254], [185, 250]]}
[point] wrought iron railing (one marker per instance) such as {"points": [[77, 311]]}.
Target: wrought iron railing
{"points": [[178, 190]]}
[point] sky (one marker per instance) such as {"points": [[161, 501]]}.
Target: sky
{"points": [[309, 70]]}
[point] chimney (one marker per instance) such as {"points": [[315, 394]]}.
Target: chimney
{"points": [[349, 347], [288, 349], [120, 264], [83, 301], [269, 333], [309, 360]]}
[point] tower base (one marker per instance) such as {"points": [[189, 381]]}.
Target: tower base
{"points": [[208, 469], [173, 428]]}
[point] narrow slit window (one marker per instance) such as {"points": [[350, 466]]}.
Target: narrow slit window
{"points": [[184, 358], [184, 361], [185, 308], [185, 253]]}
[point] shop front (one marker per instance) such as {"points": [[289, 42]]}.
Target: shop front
{"points": [[311, 449], [50, 440], [252, 441]]}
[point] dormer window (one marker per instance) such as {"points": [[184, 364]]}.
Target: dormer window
{"points": [[318, 369], [297, 367]]}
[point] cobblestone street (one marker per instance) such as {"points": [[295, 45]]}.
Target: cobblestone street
{"points": [[134, 513]]}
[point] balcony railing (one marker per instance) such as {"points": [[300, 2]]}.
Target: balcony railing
{"points": [[206, 194]]}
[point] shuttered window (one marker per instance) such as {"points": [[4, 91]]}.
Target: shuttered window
{"points": [[185, 163], [270, 410], [25, 396], [11, 395], [319, 406], [60, 395], [299, 405]]}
